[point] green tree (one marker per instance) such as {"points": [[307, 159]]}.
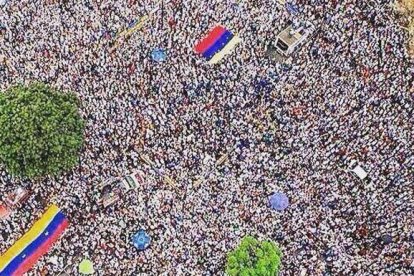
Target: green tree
{"points": [[254, 258], [41, 130], [406, 9]]}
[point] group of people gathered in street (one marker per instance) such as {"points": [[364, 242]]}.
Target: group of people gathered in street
{"points": [[291, 127]]}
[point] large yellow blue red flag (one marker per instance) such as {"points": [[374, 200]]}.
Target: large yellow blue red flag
{"points": [[26, 251]]}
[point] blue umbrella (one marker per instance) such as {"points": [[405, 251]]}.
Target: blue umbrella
{"points": [[141, 240], [279, 201], [158, 55]]}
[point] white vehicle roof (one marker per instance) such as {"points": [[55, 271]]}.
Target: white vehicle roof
{"points": [[291, 38]]}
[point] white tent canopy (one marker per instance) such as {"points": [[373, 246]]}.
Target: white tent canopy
{"points": [[360, 172]]}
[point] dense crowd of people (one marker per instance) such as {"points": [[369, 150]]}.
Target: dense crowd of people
{"points": [[292, 127]]}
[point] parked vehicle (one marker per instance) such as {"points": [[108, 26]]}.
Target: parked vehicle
{"points": [[293, 37], [16, 198], [111, 190]]}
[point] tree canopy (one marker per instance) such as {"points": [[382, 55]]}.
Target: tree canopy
{"points": [[406, 8], [41, 130], [254, 258]]}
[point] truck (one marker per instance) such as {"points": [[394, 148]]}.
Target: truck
{"points": [[289, 40]]}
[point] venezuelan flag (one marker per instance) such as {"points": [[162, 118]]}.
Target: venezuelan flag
{"points": [[218, 43], [25, 252]]}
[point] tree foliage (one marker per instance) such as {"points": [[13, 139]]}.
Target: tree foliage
{"points": [[406, 8], [254, 258], [41, 130]]}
